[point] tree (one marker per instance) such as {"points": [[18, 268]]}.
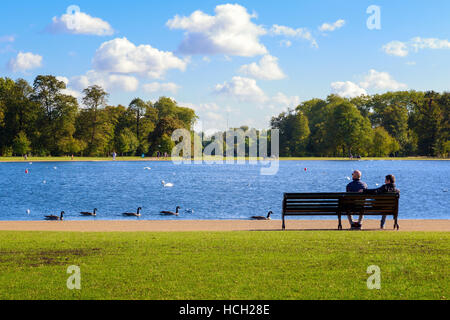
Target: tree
{"points": [[94, 99], [21, 144], [383, 144], [348, 130], [127, 142]]}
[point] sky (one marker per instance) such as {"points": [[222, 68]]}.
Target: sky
{"points": [[235, 63]]}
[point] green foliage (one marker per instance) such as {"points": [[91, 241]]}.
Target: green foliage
{"points": [[127, 142], [21, 144], [405, 123]]}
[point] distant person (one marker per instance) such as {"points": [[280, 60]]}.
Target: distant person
{"points": [[114, 155], [72, 157], [356, 186], [25, 157], [388, 187]]}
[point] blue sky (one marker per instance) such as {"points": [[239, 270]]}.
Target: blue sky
{"points": [[242, 61]]}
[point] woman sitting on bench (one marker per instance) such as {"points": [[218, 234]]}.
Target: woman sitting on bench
{"points": [[388, 187]]}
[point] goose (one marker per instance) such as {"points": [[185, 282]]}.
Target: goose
{"points": [[167, 185], [133, 214], [262, 218], [53, 217], [92, 214], [170, 213]]}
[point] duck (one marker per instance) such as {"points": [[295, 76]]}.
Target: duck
{"points": [[55, 218], [167, 185], [133, 214], [261, 217], [170, 213], [91, 214]]}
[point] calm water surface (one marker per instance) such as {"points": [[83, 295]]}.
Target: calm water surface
{"points": [[210, 191]]}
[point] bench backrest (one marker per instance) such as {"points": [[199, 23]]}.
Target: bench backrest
{"points": [[339, 203]]}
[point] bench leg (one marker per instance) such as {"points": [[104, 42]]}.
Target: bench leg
{"points": [[340, 222], [284, 225], [396, 223]]}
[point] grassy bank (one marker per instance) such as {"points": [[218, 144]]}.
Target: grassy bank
{"points": [[68, 159], [225, 265]]}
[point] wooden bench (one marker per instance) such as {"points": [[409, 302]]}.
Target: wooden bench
{"points": [[339, 204]]}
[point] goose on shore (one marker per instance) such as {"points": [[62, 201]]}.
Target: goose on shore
{"points": [[261, 217], [90, 214], [133, 214], [170, 213], [55, 218]]}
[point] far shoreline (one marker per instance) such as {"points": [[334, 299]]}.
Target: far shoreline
{"points": [[154, 159]]}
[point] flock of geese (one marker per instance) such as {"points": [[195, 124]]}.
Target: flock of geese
{"points": [[138, 214]]}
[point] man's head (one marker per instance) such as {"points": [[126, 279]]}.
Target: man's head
{"points": [[356, 175], [389, 179]]}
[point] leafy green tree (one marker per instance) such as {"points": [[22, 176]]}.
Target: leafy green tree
{"points": [[21, 144], [95, 98], [348, 130], [383, 144], [127, 142]]}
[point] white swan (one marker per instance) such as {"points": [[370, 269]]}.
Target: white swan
{"points": [[167, 185], [147, 168]]}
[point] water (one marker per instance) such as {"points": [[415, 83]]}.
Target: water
{"points": [[210, 191]]}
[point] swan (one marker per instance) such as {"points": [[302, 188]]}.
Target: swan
{"points": [[53, 217], [92, 214], [262, 218], [147, 168], [167, 185], [133, 214], [170, 213]]}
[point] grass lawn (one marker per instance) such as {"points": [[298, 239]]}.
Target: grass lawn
{"points": [[225, 265]]}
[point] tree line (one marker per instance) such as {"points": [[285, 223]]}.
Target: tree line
{"points": [[403, 123], [41, 120]]}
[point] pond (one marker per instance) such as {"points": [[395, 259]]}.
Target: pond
{"points": [[205, 192]]}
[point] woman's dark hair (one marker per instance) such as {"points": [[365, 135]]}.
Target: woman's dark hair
{"points": [[390, 178]]}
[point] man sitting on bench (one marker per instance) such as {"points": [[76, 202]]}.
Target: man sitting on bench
{"points": [[356, 186]]}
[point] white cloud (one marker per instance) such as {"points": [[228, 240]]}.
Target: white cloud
{"points": [[347, 89], [429, 43], [122, 56], [7, 38], [381, 81], [80, 23], [25, 61], [202, 107], [266, 69], [402, 49], [396, 48], [105, 80], [285, 43], [373, 80], [230, 32], [242, 89], [282, 102], [69, 91], [332, 26], [301, 33], [161, 87]]}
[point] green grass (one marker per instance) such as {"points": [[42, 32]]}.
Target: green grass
{"points": [[225, 265]]}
